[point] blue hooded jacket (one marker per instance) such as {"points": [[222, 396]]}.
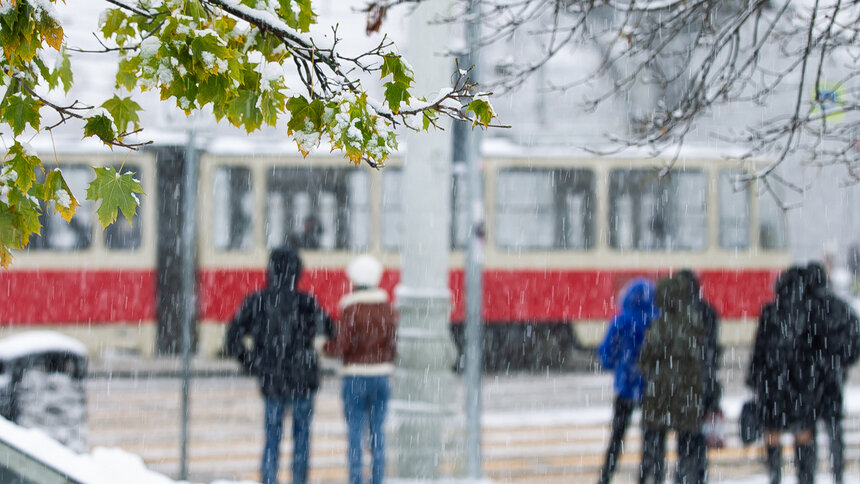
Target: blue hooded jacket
{"points": [[620, 348]]}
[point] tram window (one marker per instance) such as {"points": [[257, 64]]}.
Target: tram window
{"points": [[392, 222], [122, 235], [734, 200], [392, 208], [545, 209], [650, 212], [232, 209], [57, 234], [772, 229], [317, 209], [460, 212]]}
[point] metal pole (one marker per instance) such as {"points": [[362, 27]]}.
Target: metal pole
{"points": [[474, 263], [188, 244]]}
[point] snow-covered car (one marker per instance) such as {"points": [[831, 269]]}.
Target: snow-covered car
{"points": [[42, 385]]}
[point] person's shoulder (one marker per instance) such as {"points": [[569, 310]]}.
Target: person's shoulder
{"points": [[367, 296], [709, 310], [255, 298]]}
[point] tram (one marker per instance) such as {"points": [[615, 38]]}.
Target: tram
{"points": [[564, 233]]}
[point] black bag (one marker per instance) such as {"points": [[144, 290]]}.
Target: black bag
{"points": [[750, 424]]}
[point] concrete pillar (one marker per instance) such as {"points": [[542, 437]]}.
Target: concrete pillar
{"points": [[426, 442]]}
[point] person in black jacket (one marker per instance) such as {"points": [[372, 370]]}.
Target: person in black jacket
{"points": [[710, 356], [837, 348], [283, 323], [783, 375]]}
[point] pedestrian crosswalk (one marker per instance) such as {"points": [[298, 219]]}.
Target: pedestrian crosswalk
{"points": [[523, 441]]}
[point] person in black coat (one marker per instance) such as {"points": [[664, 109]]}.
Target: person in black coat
{"points": [[283, 323], [837, 348], [783, 375], [710, 356]]}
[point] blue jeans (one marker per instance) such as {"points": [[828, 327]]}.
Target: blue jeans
{"points": [[303, 410], [365, 401]]}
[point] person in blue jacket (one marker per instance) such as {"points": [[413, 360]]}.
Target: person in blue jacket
{"points": [[619, 352]]}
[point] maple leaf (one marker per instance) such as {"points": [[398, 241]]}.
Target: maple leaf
{"points": [[482, 110], [24, 165], [400, 72], [116, 192], [18, 111], [56, 189], [395, 95], [123, 111], [101, 127], [302, 111]]}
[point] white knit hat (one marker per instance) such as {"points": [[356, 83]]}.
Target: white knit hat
{"points": [[364, 270]]}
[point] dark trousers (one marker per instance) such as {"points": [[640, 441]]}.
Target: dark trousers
{"points": [[700, 454], [831, 415], [652, 469], [620, 420]]}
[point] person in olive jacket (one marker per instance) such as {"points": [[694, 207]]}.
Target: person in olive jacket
{"points": [[669, 362], [283, 323], [366, 343]]}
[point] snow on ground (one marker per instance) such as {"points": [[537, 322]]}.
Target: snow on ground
{"points": [[102, 466]]}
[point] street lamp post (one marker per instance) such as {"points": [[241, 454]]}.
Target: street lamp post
{"points": [[424, 405]]}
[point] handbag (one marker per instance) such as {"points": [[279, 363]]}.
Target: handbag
{"points": [[750, 423], [714, 429]]}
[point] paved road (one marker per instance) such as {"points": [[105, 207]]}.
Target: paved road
{"points": [[538, 428]]}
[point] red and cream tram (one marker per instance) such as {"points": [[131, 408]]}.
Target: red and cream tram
{"points": [[563, 236]]}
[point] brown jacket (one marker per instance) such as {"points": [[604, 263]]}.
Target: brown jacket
{"points": [[366, 337]]}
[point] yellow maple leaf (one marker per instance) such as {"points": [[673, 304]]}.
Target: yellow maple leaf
{"points": [[54, 36]]}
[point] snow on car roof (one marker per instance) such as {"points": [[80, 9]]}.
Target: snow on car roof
{"points": [[34, 342]]}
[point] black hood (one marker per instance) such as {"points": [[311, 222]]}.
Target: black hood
{"points": [[285, 268], [816, 276], [791, 286]]}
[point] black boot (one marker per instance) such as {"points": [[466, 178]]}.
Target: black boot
{"points": [[774, 463], [805, 463]]}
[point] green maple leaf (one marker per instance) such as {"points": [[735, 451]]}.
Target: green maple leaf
{"points": [[26, 216], [428, 118], [24, 166], [116, 192], [396, 94], [123, 111], [100, 126], [18, 111], [213, 89], [482, 110], [302, 111], [242, 109], [394, 65], [126, 76], [271, 106], [65, 72], [10, 233]]}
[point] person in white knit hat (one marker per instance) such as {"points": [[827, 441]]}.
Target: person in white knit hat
{"points": [[366, 342]]}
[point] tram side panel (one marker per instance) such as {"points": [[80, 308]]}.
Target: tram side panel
{"points": [[96, 285]]}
